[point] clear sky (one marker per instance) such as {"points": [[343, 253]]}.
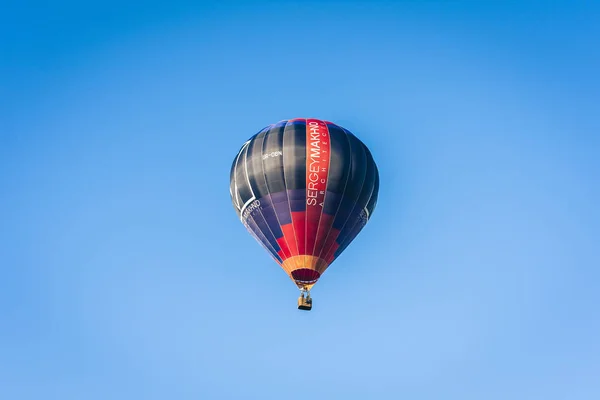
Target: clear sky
{"points": [[125, 273]]}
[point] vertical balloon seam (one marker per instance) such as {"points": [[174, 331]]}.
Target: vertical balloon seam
{"points": [[324, 197], [266, 244], [375, 191], [299, 260], [342, 195], [341, 199], [353, 207], [232, 197], [281, 165], [261, 173], [371, 204], [289, 248], [375, 197], [283, 153], [245, 162], [256, 234], [237, 183], [264, 174], [246, 203], [232, 186], [309, 254], [258, 209], [356, 206], [348, 236], [370, 157], [303, 239], [305, 192], [235, 193], [235, 164], [259, 235]]}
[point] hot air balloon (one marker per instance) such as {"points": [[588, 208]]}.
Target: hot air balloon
{"points": [[304, 188]]}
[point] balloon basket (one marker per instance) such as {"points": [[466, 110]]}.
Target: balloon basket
{"points": [[304, 302]]}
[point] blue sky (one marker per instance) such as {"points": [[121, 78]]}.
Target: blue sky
{"points": [[126, 274]]}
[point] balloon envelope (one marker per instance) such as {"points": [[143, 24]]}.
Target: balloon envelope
{"points": [[304, 188]]}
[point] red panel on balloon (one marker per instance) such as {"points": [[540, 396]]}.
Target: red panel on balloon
{"points": [[285, 250], [324, 227], [317, 168], [299, 222], [290, 238]]}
